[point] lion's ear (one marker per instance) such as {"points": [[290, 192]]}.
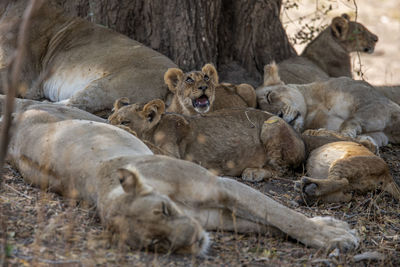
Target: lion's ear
{"points": [[271, 75], [340, 26], [210, 70], [153, 110], [131, 182], [172, 77], [120, 102]]}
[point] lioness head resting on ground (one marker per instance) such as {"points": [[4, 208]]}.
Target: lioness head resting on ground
{"points": [[144, 218], [194, 92], [200, 92]]}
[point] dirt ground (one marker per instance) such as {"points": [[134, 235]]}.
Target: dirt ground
{"points": [[44, 229]]}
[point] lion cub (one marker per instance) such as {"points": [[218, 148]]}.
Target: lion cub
{"points": [[200, 92], [328, 55], [336, 169], [247, 142]]}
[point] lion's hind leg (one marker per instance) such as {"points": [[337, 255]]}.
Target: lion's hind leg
{"points": [[328, 190]]}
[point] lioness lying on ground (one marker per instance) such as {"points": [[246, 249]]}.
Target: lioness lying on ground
{"points": [[200, 92], [337, 169], [149, 201], [234, 142], [351, 107], [80, 63], [328, 55]]}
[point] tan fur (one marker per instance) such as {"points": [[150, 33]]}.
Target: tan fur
{"points": [[328, 55], [353, 108], [390, 91], [337, 169], [80, 63], [190, 87], [234, 142], [149, 201]]}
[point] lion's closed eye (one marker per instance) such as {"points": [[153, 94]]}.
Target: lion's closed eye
{"points": [[268, 97]]}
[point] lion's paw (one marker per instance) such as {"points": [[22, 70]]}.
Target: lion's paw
{"points": [[333, 233], [255, 174], [307, 187]]}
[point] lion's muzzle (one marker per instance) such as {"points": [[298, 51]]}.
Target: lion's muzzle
{"points": [[201, 104]]}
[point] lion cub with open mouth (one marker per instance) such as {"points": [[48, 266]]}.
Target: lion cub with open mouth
{"points": [[200, 92]]}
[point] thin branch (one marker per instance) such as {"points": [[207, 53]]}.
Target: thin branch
{"points": [[361, 73], [14, 80], [16, 191]]}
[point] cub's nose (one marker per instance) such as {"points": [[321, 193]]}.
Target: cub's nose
{"points": [[375, 38], [203, 88]]}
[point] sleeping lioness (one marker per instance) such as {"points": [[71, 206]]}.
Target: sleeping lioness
{"points": [[328, 55], [200, 92], [79, 63], [336, 169], [353, 108], [149, 201], [247, 142]]}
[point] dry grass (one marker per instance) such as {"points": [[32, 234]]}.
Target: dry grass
{"points": [[44, 229]]}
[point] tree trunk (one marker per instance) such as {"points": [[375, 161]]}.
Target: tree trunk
{"points": [[238, 36]]}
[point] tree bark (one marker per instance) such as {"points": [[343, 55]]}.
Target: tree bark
{"points": [[238, 36]]}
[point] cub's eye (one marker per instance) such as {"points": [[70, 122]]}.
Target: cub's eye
{"points": [[268, 97], [126, 122], [206, 78], [189, 80]]}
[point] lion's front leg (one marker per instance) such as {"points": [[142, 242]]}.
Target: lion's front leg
{"points": [[251, 205]]}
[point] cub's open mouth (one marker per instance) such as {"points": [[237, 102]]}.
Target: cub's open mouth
{"points": [[201, 103]]}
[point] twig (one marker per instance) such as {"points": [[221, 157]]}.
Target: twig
{"points": [[361, 73], [11, 88], [13, 82], [247, 116], [16, 191]]}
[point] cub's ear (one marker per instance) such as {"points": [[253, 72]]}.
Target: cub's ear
{"points": [[131, 182], [340, 26], [271, 75], [172, 77], [120, 102], [153, 110], [210, 70]]}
